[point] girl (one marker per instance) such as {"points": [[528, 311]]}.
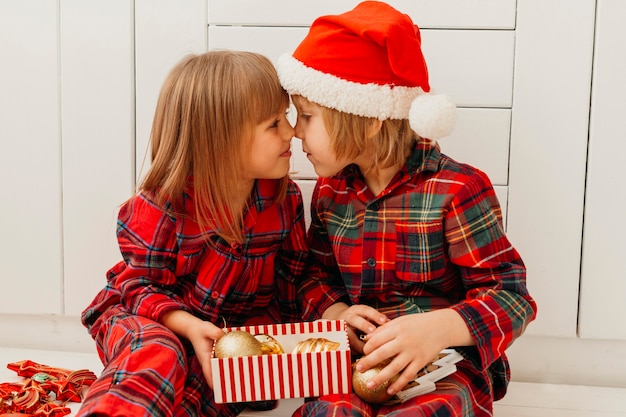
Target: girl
{"points": [[214, 236], [408, 245]]}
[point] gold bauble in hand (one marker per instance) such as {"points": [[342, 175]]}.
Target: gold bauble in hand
{"points": [[376, 395], [237, 343]]}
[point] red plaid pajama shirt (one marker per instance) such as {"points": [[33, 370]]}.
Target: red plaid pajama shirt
{"points": [[167, 265], [432, 239]]}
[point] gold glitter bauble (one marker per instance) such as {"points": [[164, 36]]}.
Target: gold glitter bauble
{"points": [[237, 343], [269, 345], [376, 395]]}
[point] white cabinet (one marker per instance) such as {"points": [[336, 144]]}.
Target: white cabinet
{"points": [[603, 278], [108, 102], [97, 138], [30, 159], [67, 119], [553, 58], [75, 76], [165, 31]]}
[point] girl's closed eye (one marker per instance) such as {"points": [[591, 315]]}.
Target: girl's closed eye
{"points": [[276, 122]]}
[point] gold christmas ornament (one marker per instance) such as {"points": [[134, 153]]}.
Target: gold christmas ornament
{"points": [[376, 395], [315, 344], [237, 343], [269, 345]]}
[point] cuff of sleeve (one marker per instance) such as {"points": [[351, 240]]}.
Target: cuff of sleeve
{"points": [[159, 307], [479, 329]]}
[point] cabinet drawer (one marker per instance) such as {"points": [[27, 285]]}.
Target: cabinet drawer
{"points": [[468, 14], [481, 139]]}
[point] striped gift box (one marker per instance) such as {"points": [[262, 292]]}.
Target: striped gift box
{"points": [[287, 375]]}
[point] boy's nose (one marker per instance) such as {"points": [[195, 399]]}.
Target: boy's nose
{"points": [[298, 131]]}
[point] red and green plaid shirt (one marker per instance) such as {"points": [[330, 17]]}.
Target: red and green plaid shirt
{"points": [[432, 239], [167, 265]]}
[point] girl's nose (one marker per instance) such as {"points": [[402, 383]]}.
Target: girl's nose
{"points": [[289, 131]]}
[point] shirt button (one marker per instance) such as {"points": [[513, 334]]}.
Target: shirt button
{"points": [[371, 262], [215, 294], [374, 206]]}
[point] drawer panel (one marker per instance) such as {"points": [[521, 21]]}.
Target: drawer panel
{"points": [[468, 14], [481, 139]]}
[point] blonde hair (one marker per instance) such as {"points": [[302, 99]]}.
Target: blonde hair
{"points": [[352, 135], [205, 115]]}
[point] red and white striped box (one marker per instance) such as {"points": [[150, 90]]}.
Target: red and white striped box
{"points": [[286, 375]]}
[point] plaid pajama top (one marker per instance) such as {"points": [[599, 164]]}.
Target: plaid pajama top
{"points": [[432, 239], [167, 265]]}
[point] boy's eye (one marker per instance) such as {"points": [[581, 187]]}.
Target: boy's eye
{"points": [[275, 123]]}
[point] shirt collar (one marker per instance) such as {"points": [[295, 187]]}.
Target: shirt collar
{"points": [[425, 157]]}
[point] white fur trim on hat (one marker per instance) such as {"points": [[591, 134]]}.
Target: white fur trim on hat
{"points": [[368, 100], [432, 116]]}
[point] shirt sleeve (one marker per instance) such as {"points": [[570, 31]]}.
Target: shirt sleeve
{"points": [[147, 239], [323, 285], [497, 306]]}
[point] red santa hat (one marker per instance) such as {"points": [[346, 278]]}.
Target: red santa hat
{"points": [[369, 62]]}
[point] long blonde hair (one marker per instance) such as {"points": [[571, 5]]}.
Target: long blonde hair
{"points": [[350, 136], [206, 112]]}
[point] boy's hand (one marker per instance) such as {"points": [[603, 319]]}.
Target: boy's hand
{"points": [[411, 341], [361, 320]]}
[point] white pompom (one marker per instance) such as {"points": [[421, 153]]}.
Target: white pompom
{"points": [[432, 116]]}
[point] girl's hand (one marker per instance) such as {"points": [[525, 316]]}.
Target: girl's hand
{"points": [[201, 334], [411, 341], [361, 320], [202, 338]]}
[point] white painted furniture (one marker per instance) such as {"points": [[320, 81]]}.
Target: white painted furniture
{"points": [[603, 287]]}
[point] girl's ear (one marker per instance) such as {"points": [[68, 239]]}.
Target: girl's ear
{"points": [[374, 128]]}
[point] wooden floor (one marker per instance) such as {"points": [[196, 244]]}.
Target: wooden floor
{"points": [[523, 399]]}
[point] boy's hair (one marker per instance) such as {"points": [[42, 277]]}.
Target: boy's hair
{"points": [[351, 136], [205, 117]]}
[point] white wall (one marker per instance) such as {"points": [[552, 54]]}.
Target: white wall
{"points": [[78, 87]]}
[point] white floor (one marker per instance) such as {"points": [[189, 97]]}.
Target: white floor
{"points": [[530, 400], [523, 399]]}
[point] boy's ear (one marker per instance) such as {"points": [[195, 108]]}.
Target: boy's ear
{"points": [[374, 128]]}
